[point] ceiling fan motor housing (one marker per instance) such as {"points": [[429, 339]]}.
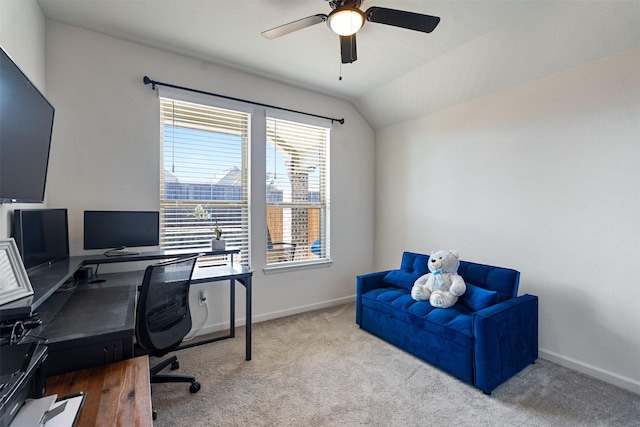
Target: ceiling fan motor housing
{"points": [[337, 4]]}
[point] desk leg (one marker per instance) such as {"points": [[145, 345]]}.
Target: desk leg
{"points": [[247, 285], [232, 309], [246, 282]]}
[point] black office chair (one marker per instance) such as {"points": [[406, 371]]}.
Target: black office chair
{"points": [[163, 318], [279, 251]]}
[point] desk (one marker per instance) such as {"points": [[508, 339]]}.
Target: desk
{"points": [[155, 255], [207, 274], [94, 324], [46, 279], [118, 394]]}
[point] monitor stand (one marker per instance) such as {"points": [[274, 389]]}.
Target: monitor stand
{"points": [[123, 251]]}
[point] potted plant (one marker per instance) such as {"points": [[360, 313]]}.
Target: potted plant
{"points": [[217, 244]]}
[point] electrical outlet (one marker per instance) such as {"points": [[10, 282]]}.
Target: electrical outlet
{"points": [[202, 297]]}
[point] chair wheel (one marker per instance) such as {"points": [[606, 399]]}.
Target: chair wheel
{"points": [[154, 415], [175, 365], [195, 387]]}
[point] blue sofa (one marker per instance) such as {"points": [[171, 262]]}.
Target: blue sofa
{"points": [[490, 334]]}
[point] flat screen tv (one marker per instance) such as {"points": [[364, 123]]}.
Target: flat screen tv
{"points": [[42, 235], [118, 230], [26, 124]]}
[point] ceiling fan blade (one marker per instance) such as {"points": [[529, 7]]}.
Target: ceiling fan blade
{"points": [[294, 26], [348, 49], [400, 18]]}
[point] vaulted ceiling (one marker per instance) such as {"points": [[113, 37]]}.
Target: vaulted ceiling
{"points": [[478, 48]]}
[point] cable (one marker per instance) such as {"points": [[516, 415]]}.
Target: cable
{"points": [[204, 322]]}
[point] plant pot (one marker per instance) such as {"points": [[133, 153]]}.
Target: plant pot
{"points": [[218, 245]]}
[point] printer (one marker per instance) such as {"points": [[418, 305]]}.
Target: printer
{"points": [[22, 376]]}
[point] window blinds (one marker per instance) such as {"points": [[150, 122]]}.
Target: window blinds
{"points": [[297, 191], [203, 176]]}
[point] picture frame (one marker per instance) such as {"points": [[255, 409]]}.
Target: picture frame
{"points": [[14, 282]]}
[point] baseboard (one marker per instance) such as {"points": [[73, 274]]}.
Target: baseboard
{"points": [[303, 309], [593, 371], [257, 318]]}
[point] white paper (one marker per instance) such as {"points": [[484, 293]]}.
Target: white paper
{"points": [[66, 418]]}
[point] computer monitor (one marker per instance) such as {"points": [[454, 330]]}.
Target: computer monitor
{"points": [[26, 125], [42, 235], [118, 230]]}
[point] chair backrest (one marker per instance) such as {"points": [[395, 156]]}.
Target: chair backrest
{"points": [[280, 251], [163, 318]]}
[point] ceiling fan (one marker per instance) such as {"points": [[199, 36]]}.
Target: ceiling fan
{"points": [[347, 18]]}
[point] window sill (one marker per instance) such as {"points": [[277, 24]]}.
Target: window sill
{"points": [[293, 266]]}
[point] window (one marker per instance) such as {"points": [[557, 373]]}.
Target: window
{"points": [[204, 169], [297, 192]]}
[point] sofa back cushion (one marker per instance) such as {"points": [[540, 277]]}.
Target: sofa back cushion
{"points": [[413, 266], [502, 280], [414, 263], [477, 298]]}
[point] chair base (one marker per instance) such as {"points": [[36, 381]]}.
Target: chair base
{"points": [[157, 378]]}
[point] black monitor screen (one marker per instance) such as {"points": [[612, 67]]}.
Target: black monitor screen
{"points": [[26, 123], [42, 235], [121, 229]]}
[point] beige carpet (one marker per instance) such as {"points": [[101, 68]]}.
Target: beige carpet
{"points": [[320, 369]]}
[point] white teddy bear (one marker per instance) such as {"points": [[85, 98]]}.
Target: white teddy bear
{"points": [[443, 285]]}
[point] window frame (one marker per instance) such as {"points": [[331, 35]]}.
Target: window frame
{"points": [[301, 259], [256, 174], [243, 205]]}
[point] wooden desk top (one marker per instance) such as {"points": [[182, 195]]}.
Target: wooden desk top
{"points": [[117, 394]]}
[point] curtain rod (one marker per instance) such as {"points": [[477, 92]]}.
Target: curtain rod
{"points": [[153, 83]]}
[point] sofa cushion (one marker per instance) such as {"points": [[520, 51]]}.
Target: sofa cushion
{"points": [[412, 267], [477, 298], [453, 324], [415, 264], [502, 280], [400, 278]]}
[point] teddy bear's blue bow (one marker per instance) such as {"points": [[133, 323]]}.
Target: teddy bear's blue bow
{"points": [[437, 276]]}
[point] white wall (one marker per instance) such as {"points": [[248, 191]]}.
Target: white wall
{"points": [[542, 178], [105, 155], [22, 27]]}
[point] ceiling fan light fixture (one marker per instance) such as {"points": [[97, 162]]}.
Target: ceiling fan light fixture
{"points": [[345, 21]]}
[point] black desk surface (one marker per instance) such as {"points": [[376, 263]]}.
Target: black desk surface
{"points": [[88, 324], [46, 279], [151, 255], [203, 273], [104, 310]]}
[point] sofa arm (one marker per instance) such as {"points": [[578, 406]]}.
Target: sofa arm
{"points": [[365, 283], [506, 340]]}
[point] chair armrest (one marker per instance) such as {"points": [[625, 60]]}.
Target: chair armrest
{"points": [[365, 283], [506, 340]]}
